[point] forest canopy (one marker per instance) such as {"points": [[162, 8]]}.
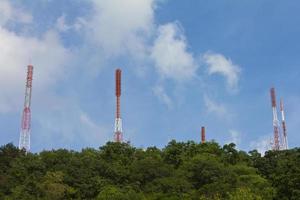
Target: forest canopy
{"points": [[180, 171]]}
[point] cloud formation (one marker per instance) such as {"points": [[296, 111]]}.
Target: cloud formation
{"points": [[95, 132], [11, 13], [49, 57], [170, 54], [263, 144], [235, 137], [119, 26], [160, 92], [219, 64], [62, 26], [214, 107], [111, 29]]}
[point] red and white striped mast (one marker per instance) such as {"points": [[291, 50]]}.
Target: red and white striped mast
{"points": [[24, 141], [118, 120], [203, 134], [285, 140], [276, 145]]}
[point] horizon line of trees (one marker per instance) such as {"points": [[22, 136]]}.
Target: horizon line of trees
{"points": [[179, 171]]}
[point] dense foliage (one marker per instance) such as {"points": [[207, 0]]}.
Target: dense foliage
{"points": [[118, 171]]}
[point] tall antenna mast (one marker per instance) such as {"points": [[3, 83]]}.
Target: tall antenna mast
{"points": [[276, 145], [285, 140], [118, 120], [202, 134], [24, 141]]}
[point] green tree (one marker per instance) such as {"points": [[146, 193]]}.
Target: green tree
{"points": [[114, 193], [54, 188], [244, 194], [230, 154]]}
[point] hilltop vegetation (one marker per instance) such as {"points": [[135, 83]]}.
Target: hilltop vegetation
{"points": [[180, 171]]}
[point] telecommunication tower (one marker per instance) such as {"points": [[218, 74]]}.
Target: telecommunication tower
{"points": [[276, 144], [280, 135], [118, 121], [285, 140], [24, 141], [202, 134]]}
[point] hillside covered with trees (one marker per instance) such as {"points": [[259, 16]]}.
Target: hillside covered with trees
{"points": [[180, 171]]}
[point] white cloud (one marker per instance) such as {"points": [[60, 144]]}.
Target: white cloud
{"points": [[5, 12], [62, 26], [214, 107], [127, 28], [235, 137], [160, 92], [64, 119], [263, 144], [10, 13], [95, 133], [170, 55], [46, 53], [118, 26], [219, 64], [48, 57]]}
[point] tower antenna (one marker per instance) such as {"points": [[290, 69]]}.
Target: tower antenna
{"points": [[202, 134], [118, 120], [285, 140], [24, 141], [276, 145]]}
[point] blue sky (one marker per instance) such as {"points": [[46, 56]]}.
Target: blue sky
{"points": [[185, 64]]}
